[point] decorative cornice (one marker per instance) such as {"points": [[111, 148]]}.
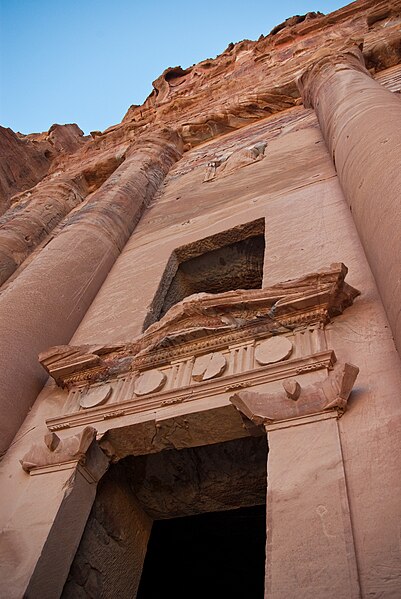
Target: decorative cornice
{"points": [[205, 322], [204, 389], [295, 401]]}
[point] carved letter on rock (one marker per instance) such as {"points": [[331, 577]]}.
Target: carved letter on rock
{"points": [[292, 402]]}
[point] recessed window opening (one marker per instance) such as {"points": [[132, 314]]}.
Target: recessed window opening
{"points": [[227, 261]]}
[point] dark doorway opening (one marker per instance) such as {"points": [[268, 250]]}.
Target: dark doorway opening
{"points": [[214, 555]]}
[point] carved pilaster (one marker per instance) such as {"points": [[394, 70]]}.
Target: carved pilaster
{"points": [[308, 514]]}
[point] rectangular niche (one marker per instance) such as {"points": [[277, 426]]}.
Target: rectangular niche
{"points": [[232, 259]]}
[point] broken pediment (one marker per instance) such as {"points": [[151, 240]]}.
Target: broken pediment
{"points": [[54, 450], [296, 400], [205, 321]]}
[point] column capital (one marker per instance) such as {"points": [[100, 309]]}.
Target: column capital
{"points": [[295, 401], [324, 63]]}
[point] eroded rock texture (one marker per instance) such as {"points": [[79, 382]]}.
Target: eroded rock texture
{"points": [[110, 556], [73, 201], [164, 263], [26, 159], [249, 81]]}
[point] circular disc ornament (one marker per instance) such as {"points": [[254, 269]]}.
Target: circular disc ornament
{"points": [[149, 382], [273, 350], [96, 397], [209, 366]]}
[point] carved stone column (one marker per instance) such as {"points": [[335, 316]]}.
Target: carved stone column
{"points": [[361, 124], [309, 547], [47, 301], [40, 539]]}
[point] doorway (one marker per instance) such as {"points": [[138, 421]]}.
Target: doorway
{"points": [[195, 517], [213, 555]]}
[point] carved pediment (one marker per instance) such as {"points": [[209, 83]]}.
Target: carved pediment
{"points": [[209, 321]]}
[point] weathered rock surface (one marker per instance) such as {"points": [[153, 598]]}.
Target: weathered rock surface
{"points": [[114, 543], [326, 509], [191, 481], [249, 81], [26, 159], [90, 193]]}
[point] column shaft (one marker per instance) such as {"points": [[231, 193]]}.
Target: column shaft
{"points": [[45, 304], [361, 124]]}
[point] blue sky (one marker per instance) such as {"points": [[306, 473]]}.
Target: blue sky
{"points": [[87, 61]]}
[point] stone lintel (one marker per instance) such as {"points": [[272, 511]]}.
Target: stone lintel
{"points": [[291, 422], [189, 394]]}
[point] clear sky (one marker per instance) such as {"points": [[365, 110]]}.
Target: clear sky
{"points": [[87, 61]]}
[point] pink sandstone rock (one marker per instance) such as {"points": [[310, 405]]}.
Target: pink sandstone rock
{"points": [[236, 178]]}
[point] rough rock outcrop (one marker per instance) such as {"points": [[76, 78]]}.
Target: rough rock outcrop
{"points": [[27, 158], [246, 86]]}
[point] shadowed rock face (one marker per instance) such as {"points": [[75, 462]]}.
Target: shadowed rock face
{"points": [[195, 480], [235, 266]]}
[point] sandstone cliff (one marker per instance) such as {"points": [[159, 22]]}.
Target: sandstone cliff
{"points": [[73, 201], [247, 82], [26, 159]]}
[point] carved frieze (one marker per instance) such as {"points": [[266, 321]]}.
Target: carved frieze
{"points": [[208, 323], [205, 346], [286, 369]]}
